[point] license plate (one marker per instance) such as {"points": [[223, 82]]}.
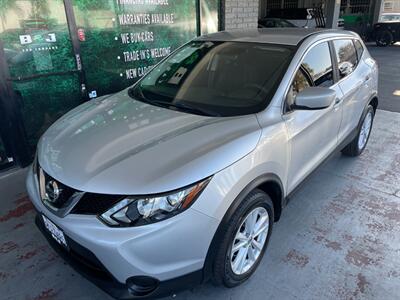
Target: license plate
{"points": [[55, 232]]}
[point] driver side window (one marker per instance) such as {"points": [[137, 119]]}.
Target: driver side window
{"points": [[315, 70], [300, 82]]}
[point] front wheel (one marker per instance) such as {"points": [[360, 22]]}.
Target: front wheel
{"points": [[358, 144], [244, 241]]}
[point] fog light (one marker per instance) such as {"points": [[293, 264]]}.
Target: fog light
{"points": [[142, 285]]}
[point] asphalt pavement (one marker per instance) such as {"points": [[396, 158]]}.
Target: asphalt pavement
{"points": [[388, 59]]}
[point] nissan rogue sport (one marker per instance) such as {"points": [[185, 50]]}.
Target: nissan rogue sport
{"points": [[180, 178]]}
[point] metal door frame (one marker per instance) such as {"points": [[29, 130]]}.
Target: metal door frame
{"points": [[76, 46]]}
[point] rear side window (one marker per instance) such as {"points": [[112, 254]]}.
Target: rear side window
{"points": [[346, 56], [317, 65], [359, 49]]}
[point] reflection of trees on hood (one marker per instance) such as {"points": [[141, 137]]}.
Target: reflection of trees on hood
{"points": [[5, 7], [40, 9]]}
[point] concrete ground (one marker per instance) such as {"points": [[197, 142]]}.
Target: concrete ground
{"points": [[339, 237]]}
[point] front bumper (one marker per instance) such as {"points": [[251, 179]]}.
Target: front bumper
{"points": [[85, 262], [172, 252]]}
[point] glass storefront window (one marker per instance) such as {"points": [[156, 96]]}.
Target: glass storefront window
{"points": [[121, 40], [209, 16], [36, 37], [59, 53], [39, 55]]}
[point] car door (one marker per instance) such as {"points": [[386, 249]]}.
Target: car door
{"points": [[312, 133], [354, 81]]}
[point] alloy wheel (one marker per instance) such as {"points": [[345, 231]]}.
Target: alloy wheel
{"points": [[365, 131], [249, 240]]}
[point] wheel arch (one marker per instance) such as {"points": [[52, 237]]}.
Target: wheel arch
{"points": [[374, 102], [270, 184]]}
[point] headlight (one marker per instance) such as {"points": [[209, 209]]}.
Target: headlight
{"points": [[136, 211]]}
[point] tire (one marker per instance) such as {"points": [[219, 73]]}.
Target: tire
{"points": [[384, 38], [355, 147], [223, 272]]}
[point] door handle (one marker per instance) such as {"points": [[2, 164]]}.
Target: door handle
{"points": [[367, 78]]}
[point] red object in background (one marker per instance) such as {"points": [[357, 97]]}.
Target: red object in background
{"points": [[81, 35]]}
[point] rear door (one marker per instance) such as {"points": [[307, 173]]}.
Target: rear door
{"points": [[354, 81], [313, 133]]}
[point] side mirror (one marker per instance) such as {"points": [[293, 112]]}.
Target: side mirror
{"points": [[314, 98], [345, 68]]}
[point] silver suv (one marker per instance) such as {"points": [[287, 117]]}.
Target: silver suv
{"points": [[180, 178]]}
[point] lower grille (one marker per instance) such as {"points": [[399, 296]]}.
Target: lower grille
{"points": [[77, 254], [91, 204]]}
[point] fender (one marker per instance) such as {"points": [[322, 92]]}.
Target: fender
{"points": [[268, 177], [371, 99], [353, 134]]}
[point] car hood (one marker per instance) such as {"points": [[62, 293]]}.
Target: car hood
{"points": [[118, 145]]}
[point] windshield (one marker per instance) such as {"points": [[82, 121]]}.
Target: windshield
{"points": [[216, 78]]}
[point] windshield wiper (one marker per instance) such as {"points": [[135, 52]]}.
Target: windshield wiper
{"points": [[166, 104], [189, 108], [133, 93]]}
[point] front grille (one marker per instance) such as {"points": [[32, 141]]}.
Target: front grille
{"points": [[65, 192], [91, 204], [88, 204]]}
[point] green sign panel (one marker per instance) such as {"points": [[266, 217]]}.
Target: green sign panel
{"points": [[122, 39], [118, 42]]}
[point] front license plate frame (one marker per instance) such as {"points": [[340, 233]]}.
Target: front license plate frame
{"points": [[56, 233]]}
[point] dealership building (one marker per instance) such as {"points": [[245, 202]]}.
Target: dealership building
{"points": [[55, 55]]}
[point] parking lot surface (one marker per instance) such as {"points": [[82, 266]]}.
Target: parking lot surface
{"points": [[388, 59], [339, 237]]}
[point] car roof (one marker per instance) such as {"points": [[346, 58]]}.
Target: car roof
{"points": [[283, 36]]}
